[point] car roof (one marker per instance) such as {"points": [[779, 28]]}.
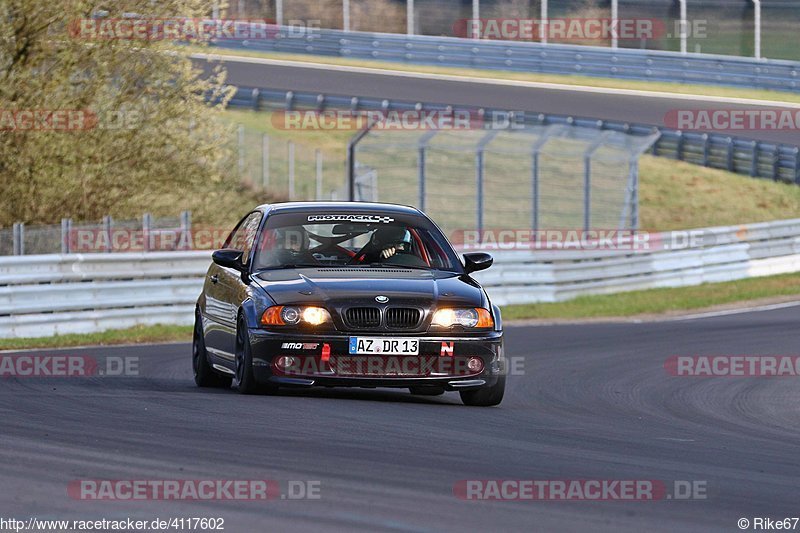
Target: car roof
{"points": [[338, 206]]}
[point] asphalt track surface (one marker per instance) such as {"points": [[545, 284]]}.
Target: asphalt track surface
{"points": [[592, 401], [626, 108]]}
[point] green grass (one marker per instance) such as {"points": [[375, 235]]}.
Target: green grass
{"points": [[660, 301], [678, 88], [135, 335], [679, 195]]}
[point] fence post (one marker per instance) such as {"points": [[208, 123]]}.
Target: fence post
{"points": [[318, 158], [535, 191], [66, 224], [147, 222], [421, 164], [631, 205], [265, 161], [587, 177], [410, 17], [706, 149], [536, 149], [346, 15], [255, 96], [479, 190], [290, 146], [240, 150], [479, 161], [545, 25], [587, 192], [185, 242], [757, 33], [279, 12], [107, 221], [614, 23], [476, 15], [350, 163], [421, 176], [18, 235], [683, 29]]}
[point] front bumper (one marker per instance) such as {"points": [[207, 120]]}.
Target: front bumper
{"points": [[324, 360]]}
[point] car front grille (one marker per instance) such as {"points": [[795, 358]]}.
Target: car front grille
{"points": [[390, 319], [363, 317], [402, 317]]}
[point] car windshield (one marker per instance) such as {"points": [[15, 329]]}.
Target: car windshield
{"points": [[366, 240]]}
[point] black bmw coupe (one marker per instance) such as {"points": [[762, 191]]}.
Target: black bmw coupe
{"points": [[347, 295]]}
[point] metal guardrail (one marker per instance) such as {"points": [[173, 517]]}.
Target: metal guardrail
{"points": [[44, 295], [720, 254], [48, 294], [621, 63], [757, 159]]}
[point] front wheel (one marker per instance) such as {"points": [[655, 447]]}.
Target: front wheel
{"points": [[204, 375], [485, 396], [245, 379]]}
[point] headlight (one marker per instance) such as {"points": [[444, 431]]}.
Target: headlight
{"points": [[280, 315], [469, 318]]}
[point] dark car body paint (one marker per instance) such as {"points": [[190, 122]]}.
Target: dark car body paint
{"points": [[238, 294]]}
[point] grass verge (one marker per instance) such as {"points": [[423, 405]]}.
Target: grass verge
{"points": [[134, 335], [660, 301]]}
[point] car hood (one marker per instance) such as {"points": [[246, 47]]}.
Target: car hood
{"points": [[359, 285]]}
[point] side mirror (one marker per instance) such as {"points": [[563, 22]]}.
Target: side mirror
{"points": [[228, 258], [474, 262]]}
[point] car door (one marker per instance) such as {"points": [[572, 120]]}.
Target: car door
{"points": [[226, 290]]}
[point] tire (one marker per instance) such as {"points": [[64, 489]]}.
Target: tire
{"points": [[485, 396], [204, 374], [245, 379], [427, 391]]}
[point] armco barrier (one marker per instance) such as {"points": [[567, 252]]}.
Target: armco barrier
{"points": [[57, 294], [43, 295], [623, 63], [722, 254]]}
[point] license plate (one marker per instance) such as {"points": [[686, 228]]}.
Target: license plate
{"points": [[383, 346]]}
